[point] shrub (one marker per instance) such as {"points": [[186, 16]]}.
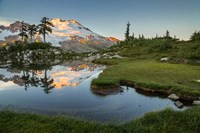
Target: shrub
{"points": [[198, 50], [196, 54], [36, 45], [195, 37]]}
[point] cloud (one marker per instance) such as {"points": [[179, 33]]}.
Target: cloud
{"points": [[6, 21]]}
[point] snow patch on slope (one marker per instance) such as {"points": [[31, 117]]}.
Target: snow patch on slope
{"points": [[68, 34], [64, 30]]}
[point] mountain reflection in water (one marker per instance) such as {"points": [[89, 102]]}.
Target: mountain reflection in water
{"points": [[50, 77]]}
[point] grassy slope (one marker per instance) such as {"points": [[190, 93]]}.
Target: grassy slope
{"points": [[142, 68], [163, 121], [178, 78]]}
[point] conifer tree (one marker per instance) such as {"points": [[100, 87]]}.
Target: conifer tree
{"points": [[32, 30], [45, 27], [23, 31], [167, 34], [127, 37]]}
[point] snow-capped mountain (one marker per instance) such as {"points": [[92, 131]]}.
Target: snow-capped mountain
{"points": [[68, 34]]}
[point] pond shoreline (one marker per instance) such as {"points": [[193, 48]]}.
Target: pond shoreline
{"points": [[150, 76], [109, 90]]}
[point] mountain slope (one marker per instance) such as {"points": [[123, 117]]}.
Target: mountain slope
{"points": [[70, 35]]}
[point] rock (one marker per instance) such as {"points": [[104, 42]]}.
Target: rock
{"points": [[57, 52], [91, 58], [198, 81], [98, 56], [30, 52], [179, 104], [196, 102], [90, 54], [78, 57], [7, 47], [164, 59], [173, 97], [117, 56], [110, 57], [4, 66], [8, 62], [105, 55]]}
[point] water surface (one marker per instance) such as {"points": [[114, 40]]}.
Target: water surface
{"points": [[65, 89]]}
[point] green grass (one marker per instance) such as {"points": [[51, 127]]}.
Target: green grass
{"points": [[142, 67], [150, 49], [166, 121], [177, 78]]}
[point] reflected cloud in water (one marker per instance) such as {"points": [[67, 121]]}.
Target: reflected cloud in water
{"points": [[5, 85]]}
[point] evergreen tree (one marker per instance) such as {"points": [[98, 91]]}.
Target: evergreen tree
{"points": [[32, 30], [47, 83], [45, 27], [156, 35], [143, 36], [23, 31], [174, 37], [195, 37], [139, 36], [127, 31], [167, 34], [198, 50]]}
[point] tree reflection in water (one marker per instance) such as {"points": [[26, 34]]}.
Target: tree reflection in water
{"points": [[26, 79], [34, 80], [29, 77], [47, 77], [47, 83]]}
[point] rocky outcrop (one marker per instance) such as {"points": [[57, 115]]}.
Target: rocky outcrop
{"points": [[98, 56]]}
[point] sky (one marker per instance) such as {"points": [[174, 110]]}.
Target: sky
{"points": [[109, 17]]}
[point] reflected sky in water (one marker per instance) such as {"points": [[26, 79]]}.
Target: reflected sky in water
{"points": [[65, 89]]}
